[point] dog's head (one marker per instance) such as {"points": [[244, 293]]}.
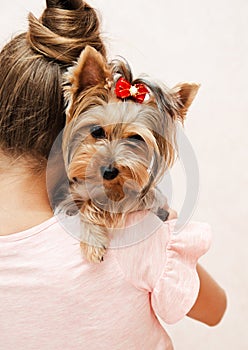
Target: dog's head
{"points": [[121, 133]]}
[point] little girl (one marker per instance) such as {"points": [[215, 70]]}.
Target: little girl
{"points": [[50, 296]]}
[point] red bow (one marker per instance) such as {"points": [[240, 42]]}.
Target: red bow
{"points": [[124, 89]]}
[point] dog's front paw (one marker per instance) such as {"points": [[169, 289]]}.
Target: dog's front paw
{"points": [[93, 254]]}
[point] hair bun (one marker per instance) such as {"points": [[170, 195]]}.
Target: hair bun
{"points": [[64, 4], [65, 28]]}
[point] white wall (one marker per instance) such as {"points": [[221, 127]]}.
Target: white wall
{"points": [[203, 41]]}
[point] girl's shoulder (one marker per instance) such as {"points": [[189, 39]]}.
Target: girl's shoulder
{"points": [[163, 262], [145, 232]]}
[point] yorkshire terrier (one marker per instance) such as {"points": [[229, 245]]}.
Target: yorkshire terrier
{"points": [[120, 138]]}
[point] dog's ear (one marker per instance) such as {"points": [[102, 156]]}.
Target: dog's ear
{"points": [[184, 93], [90, 71], [64, 4]]}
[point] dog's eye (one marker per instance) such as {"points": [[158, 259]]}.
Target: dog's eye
{"points": [[74, 181], [136, 137], [97, 132]]}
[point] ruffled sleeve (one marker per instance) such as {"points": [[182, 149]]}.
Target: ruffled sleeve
{"points": [[176, 290]]}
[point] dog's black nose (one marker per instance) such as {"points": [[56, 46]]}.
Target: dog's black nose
{"points": [[109, 172]]}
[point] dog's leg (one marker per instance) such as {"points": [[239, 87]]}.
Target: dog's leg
{"points": [[95, 242]]}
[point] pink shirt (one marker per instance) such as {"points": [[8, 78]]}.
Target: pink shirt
{"points": [[52, 299]]}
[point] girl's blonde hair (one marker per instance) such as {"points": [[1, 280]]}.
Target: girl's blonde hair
{"points": [[31, 67]]}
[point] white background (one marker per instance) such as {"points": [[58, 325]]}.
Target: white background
{"points": [[206, 42]]}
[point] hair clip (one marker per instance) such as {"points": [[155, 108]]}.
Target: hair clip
{"points": [[123, 89]]}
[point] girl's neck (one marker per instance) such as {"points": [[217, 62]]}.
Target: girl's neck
{"points": [[24, 201]]}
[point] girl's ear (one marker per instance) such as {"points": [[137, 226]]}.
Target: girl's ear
{"points": [[184, 93], [64, 4], [90, 71]]}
